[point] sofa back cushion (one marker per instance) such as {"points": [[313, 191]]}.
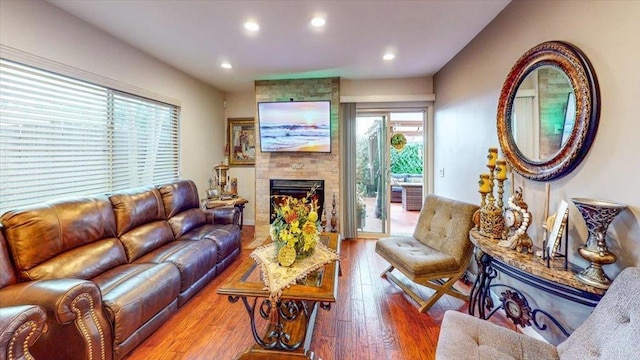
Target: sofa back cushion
{"points": [[444, 225], [7, 274], [67, 238], [612, 330], [140, 221], [182, 206]]}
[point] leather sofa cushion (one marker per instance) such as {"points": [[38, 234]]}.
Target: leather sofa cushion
{"points": [[84, 262], [39, 233], [227, 237], [7, 275], [146, 238], [178, 197], [187, 221], [135, 208], [194, 259], [182, 206], [133, 294]]}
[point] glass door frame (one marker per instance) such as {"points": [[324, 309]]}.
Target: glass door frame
{"points": [[384, 155], [428, 157]]}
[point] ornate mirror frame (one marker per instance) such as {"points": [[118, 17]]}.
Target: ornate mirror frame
{"points": [[578, 70]]}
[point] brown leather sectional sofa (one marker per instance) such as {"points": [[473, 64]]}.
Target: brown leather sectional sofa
{"points": [[110, 270], [20, 327]]}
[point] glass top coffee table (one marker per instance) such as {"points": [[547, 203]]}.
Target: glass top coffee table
{"points": [[288, 321]]}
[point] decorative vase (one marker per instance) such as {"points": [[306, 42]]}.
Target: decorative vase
{"points": [[597, 214], [290, 254]]}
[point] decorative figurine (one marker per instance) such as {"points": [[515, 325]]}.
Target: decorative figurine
{"points": [[517, 220]]}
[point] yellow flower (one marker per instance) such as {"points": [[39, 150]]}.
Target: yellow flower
{"points": [[294, 228], [309, 228], [313, 216]]}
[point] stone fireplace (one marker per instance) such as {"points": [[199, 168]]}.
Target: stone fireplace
{"points": [[297, 189], [298, 166]]}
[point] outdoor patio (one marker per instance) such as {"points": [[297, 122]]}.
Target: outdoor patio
{"points": [[402, 222]]}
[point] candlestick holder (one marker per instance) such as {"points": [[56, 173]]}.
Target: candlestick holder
{"points": [[334, 218], [323, 220], [491, 219], [483, 200], [500, 193]]}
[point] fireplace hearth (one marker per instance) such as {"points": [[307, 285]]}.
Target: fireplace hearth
{"points": [[297, 189]]}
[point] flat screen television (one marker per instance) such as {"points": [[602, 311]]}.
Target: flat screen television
{"points": [[295, 126]]}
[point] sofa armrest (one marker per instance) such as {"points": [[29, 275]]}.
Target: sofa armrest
{"points": [[223, 215], [20, 327], [74, 313]]}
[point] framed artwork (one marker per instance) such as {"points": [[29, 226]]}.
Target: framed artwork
{"points": [[241, 137]]}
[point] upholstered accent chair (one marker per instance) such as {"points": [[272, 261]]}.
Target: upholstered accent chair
{"points": [[612, 331], [437, 254], [20, 327]]}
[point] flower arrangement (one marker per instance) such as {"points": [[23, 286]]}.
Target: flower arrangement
{"points": [[294, 229]]}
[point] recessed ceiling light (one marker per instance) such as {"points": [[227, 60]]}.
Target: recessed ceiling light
{"points": [[251, 26], [318, 22], [226, 65], [388, 56]]}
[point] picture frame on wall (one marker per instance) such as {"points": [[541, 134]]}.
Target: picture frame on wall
{"points": [[241, 137]]}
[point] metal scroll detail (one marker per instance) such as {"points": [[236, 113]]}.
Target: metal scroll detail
{"points": [[277, 314], [512, 301]]}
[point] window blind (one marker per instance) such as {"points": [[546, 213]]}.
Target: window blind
{"points": [[61, 137]]}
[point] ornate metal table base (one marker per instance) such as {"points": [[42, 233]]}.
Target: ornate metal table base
{"points": [[290, 321], [513, 301]]}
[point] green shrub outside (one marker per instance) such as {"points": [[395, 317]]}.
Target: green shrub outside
{"points": [[408, 160]]}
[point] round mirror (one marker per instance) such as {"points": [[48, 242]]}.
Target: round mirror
{"points": [[548, 111]]}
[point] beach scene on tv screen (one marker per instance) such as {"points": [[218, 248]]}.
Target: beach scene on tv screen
{"points": [[295, 126]]}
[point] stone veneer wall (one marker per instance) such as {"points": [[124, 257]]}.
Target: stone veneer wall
{"points": [[318, 166]]}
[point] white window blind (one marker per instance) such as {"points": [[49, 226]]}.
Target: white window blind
{"points": [[62, 137]]}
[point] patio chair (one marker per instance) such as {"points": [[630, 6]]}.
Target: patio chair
{"points": [[437, 254]]}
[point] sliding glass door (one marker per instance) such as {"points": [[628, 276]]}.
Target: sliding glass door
{"points": [[390, 181], [371, 173]]}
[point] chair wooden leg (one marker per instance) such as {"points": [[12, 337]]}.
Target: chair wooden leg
{"points": [[440, 286], [405, 288], [440, 290], [386, 271]]}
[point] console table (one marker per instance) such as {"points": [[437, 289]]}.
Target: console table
{"points": [[528, 269], [238, 202]]}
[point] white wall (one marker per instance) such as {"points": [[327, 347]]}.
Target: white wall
{"points": [[242, 105], [468, 87], [400, 86], [45, 31], [467, 97]]}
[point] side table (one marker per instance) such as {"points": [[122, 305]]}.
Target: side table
{"points": [[528, 269], [412, 196], [238, 202]]}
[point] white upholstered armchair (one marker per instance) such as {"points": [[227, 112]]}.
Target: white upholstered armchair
{"points": [[611, 332]]}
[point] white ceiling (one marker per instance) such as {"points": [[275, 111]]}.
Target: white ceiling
{"points": [[195, 36]]}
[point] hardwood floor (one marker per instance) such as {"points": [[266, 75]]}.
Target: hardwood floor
{"points": [[372, 319]]}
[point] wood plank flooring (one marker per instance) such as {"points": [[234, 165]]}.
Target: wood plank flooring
{"points": [[372, 320]]}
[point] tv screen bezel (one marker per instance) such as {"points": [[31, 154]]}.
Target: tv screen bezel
{"points": [[293, 151]]}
